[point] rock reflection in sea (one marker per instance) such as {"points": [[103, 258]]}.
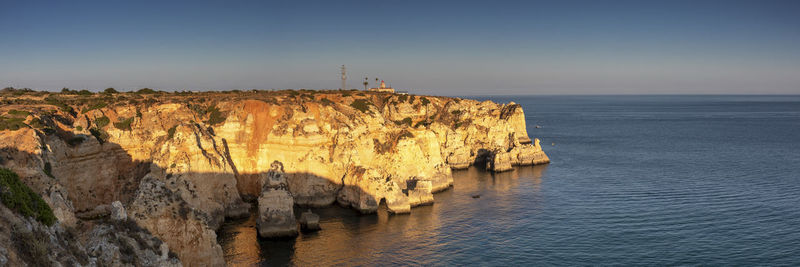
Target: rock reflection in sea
{"points": [[422, 237]]}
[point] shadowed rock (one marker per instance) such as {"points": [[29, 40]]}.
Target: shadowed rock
{"points": [[118, 211], [419, 193], [499, 162], [309, 221], [275, 206]]}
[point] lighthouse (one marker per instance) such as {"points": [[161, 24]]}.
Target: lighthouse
{"points": [[382, 88]]}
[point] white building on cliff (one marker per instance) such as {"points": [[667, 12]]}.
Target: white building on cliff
{"points": [[382, 88]]}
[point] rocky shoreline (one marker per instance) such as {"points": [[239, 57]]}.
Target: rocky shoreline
{"points": [[178, 164]]}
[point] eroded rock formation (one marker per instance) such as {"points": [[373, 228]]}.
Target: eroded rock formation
{"points": [[276, 205], [179, 164]]}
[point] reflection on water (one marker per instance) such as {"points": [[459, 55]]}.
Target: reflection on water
{"points": [[348, 237]]}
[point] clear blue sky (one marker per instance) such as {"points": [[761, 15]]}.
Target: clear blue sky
{"points": [[432, 47]]}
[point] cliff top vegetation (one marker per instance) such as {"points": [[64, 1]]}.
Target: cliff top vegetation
{"points": [[20, 198]]}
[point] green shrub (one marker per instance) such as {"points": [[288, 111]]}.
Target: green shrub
{"points": [[215, 116], [76, 140], [402, 98], [12, 123], [99, 134], [32, 246], [58, 102], [101, 121], [36, 123], [84, 92], [22, 91], [48, 169], [424, 101], [361, 104], [171, 132], [20, 198], [98, 104], [406, 121], [411, 99], [326, 102], [110, 91], [405, 134], [48, 131], [78, 128], [199, 109], [145, 91], [124, 124], [18, 113]]}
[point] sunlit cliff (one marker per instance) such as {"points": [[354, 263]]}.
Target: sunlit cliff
{"points": [[180, 163]]}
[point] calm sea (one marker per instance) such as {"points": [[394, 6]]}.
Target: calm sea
{"points": [[634, 180]]}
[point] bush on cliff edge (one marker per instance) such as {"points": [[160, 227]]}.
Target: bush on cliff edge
{"points": [[21, 199], [361, 105]]}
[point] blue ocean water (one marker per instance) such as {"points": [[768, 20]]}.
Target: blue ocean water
{"points": [[634, 180]]}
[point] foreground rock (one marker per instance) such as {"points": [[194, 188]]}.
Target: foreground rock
{"points": [[309, 221], [276, 206], [419, 192], [125, 244], [26, 241], [185, 230], [118, 212], [460, 158], [499, 161]]}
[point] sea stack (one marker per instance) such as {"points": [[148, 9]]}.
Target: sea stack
{"points": [[275, 205], [309, 221]]}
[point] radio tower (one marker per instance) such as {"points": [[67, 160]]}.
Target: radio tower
{"points": [[344, 78]]}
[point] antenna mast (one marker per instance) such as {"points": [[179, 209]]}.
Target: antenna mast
{"points": [[344, 78]]}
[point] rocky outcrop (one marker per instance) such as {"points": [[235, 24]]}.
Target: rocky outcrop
{"points": [[179, 164], [499, 161], [125, 244], [119, 243], [26, 153], [419, 192], [460, 158], [309, 221], [276, 206], [483, 133], [185, 230], [118, 212]]}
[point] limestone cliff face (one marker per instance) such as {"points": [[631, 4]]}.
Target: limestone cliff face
{"points": [[202, 155], [186, 230]]}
